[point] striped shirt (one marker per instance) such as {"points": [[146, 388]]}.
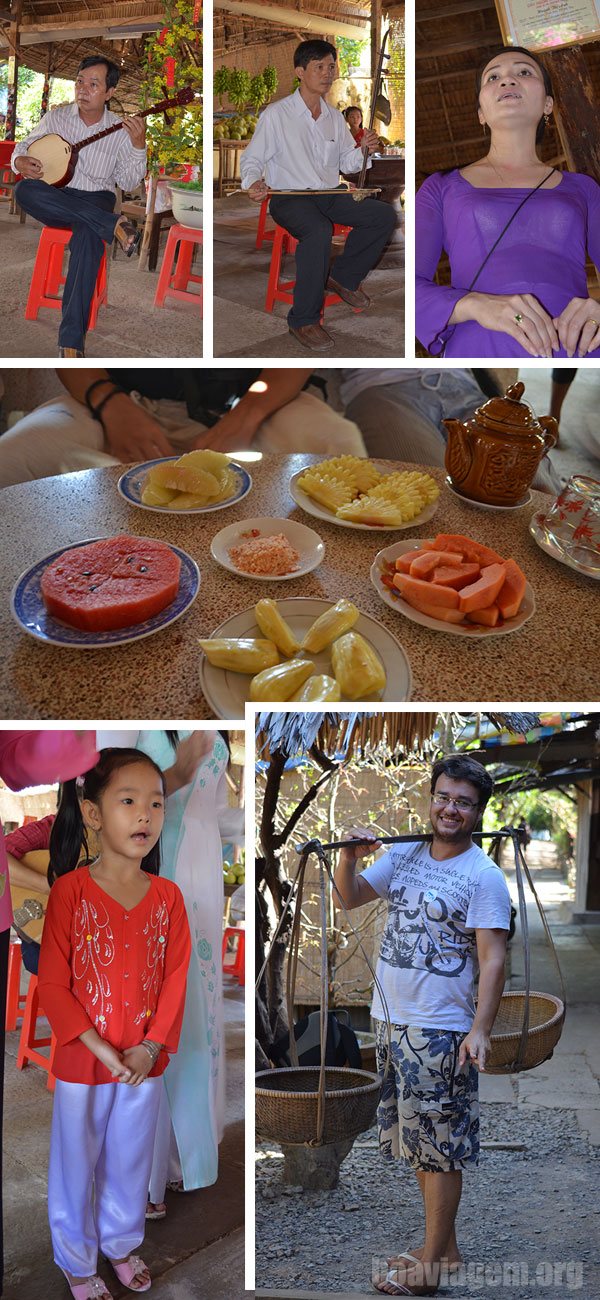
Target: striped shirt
{"points": [[101, 166]]}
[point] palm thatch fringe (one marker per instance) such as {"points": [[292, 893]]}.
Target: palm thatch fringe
{"points": [[355, 735]]}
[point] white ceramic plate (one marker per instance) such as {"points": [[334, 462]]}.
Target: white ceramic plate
{"points": [[474, 630], [30, 613], [227, 692], [547, 544], [320, 512], [305, 541], [131, 486], [485, 505]]}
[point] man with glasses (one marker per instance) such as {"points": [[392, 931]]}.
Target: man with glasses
{"points": [[448, 916]]}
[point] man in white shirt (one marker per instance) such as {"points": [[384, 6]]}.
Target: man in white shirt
{"points": [[448, 915], [302, 143], [85, 205]]}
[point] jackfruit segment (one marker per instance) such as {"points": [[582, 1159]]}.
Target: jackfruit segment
{"points": [[335, 620], [240, 654], [281, 682], [358, 670]]}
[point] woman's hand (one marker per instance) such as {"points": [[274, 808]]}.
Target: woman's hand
{"points": [[579, 326], [139, 1063], [189, 756], [535, 330]]}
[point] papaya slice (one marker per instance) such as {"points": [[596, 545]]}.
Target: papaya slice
{"points": [[451, 576], [427, 592], [483, 592], [435, 611], [423, 565], [488, 617], [510, 596], [404, 562], [475, 552]]}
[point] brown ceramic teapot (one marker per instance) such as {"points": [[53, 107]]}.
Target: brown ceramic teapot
{"points": [[493, 456]]}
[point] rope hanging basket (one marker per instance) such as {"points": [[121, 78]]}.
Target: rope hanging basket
{"points": [[287, 1103], [546, 1019]]}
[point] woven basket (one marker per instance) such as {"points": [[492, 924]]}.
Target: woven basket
{"points": [[546, 1018], [286, 1103]]}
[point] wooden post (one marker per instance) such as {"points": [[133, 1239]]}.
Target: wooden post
{"points": [[13, 69], [145, 249], [576, 110], [46, 89]]}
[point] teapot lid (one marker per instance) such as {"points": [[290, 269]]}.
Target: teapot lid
{"points": [[508, 414]]}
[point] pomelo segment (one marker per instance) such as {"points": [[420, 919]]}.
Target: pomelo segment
{"points": [[113, 583]]}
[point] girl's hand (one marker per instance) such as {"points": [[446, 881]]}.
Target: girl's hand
{"points": [[579, 326], [139, 1063], [115, 1063], [535, 331]]}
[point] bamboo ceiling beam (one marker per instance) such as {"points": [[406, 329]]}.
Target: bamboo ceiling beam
{"points": [[450, 11], [148, 14], [430, 49]]}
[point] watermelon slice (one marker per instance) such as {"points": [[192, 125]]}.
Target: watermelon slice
{"points": [[116, 582]]}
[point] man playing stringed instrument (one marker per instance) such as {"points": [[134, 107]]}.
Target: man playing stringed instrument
{"points": [[85, 205], [301, 143]]}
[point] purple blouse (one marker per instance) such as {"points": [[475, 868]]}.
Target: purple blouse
{"points": [[543, 252]]}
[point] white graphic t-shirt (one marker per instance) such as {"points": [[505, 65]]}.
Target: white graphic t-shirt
{"points": [[428, 956]]}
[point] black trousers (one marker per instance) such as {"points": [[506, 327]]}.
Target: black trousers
{"points": [[4, 942], [90, 217], [310, 221]]}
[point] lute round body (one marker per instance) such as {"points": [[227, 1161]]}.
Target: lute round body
{"points": [[58, 159]]}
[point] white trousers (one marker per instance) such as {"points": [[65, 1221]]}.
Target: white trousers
{"points": [[100, 1157], [62, 436]]}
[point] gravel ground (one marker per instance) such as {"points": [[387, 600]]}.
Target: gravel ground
{"points": [[528, 1208]]}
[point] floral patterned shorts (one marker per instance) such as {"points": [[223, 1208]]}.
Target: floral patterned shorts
{"points": [[429, 1108]]}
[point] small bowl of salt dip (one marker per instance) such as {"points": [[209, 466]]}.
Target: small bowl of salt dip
{"points": [[268, 550]]}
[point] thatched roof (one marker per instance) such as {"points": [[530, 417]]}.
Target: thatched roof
{"points": [[452, 38], [355, 735], [69, 30], [233, 32]]}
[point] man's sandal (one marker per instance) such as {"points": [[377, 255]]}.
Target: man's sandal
{"points": [[91, 1288], [130, 1269], [128, 236]]}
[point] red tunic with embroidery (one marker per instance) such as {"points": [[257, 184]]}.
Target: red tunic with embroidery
{"points": [[122, 973]]}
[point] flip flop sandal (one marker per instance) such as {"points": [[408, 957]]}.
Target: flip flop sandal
{"points": [[129, 1270], [92, 1288], [155, 1213], [399, 1288]]}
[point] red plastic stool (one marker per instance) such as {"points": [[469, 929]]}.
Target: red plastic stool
{"points": [[15, 1000], [173, 283], [237, 966], [263, 236], [47, 276], [29, 1044], [282, 290]]}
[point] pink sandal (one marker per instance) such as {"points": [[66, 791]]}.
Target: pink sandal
{"points": [[129, 1270], [92, 1288]]}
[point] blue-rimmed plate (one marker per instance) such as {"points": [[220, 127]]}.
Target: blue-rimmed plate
{"points": [[131, 486], [30, 613]]}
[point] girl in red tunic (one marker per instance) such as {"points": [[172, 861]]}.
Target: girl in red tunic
{"points": [[112, 975]]}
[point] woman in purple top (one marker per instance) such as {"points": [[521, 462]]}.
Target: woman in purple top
{"points": [[530, 298]]}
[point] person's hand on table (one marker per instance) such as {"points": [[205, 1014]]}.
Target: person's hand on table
{"points": [[579, 326], [258, 191], [131, 433], [535, 330], [30, 168], [235, 430]]}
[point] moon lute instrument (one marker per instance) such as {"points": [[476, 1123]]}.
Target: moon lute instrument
{"points": [[59, 158]]}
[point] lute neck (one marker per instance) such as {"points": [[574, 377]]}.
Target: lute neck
{"points": [[117, 126]]}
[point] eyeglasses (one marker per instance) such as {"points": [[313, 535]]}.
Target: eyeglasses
{"points": [[444, 800]]}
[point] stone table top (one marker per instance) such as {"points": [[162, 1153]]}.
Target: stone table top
{"points": [[553, 657]]}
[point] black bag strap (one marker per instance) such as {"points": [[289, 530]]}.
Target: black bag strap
{"points": [[486, 259], [509, 223]]}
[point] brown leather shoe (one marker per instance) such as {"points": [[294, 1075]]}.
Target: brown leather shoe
{"points": [[127, 236], [355, 297], [313, 337]]}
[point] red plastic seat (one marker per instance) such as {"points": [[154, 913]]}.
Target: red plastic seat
{"points": [[263, 236], [282, 290], [173, 283], [29, 1045], [48, 276], [15, 1000], [237, 966]]}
